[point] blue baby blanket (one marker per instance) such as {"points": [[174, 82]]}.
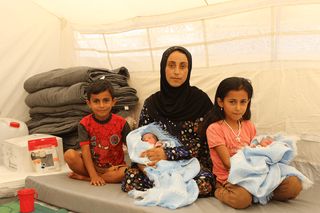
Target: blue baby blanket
{"points": [[260, 170], [174, 186]]}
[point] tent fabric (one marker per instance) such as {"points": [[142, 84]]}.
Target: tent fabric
{"points": [[265, 41], [273, 43], [244, 36], [30, 43], [284, 70], [104, 12]]}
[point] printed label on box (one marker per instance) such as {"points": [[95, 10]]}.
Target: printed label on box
{"points": [[44, 155]]}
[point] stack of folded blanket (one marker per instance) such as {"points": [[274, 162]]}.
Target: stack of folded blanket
{"points": [[57, 99]]}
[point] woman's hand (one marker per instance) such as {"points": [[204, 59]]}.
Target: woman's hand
{"points": [[154, 155], [141, 168]]}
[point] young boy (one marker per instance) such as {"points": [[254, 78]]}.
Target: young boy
{"points": [[101, 136]]}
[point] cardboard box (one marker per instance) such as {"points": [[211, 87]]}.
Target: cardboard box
{"points": [[16, 155]]}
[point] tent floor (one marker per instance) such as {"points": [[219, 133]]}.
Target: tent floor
{"points": [[80, 196]]}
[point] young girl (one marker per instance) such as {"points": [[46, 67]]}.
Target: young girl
{"points": [[230, 129]]}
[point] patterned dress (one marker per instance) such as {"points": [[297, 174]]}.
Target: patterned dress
{"points": [[187, 133]]}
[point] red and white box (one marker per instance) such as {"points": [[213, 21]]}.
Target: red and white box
{"points": [[17, 157], [43, 154]]}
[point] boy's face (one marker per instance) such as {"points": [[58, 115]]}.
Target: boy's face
{"points": [[101, 104], [150, 138]]}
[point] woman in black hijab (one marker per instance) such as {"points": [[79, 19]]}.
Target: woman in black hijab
{"points": [[179, 109]]}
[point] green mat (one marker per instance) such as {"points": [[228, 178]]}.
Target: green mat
{"points": [[14, 207]]}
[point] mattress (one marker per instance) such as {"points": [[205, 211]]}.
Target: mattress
{"points": [[80, 196], [12, 181]]}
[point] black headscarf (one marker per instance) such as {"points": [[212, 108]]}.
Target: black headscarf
{"points": [[178, 103]]}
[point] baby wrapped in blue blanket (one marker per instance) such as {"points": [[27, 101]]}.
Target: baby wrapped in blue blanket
{"points": [[174, 186], [260, 170]]}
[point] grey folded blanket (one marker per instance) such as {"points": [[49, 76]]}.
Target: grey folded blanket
{"points": [[58, 96], [70, 140], [126, 100], [60, 111], [123, 91], [113, 78], [53, 126], [52, 97], [69, 76]]}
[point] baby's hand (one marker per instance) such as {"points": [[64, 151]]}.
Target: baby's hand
{"points": [[265, 142], [252, 145]]}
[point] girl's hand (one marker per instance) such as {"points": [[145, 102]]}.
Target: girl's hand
{"points": [[97, 181], [154, 155], [266, 142], [263, 143], [253, 145]]}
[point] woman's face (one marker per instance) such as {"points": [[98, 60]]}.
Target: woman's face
{"points": [[177, 69]]}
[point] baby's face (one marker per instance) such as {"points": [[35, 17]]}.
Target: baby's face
{"points": [[150, 138]]}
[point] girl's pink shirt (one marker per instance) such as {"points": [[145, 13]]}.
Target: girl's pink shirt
{"points": [[219, 133]]}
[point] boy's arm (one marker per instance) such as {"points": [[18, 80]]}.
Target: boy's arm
{"points": [[86, 156], [87, 159]]}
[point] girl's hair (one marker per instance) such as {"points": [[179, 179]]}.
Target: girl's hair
{"points": [[225, 86], [99, 86]]}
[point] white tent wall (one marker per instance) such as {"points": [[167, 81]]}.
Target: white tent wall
{"points": [[274, 43], [266, 41], [30, 43]]}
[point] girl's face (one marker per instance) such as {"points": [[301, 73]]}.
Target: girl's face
{"points": [[177, 69], [101, 104], [234, 104]]}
